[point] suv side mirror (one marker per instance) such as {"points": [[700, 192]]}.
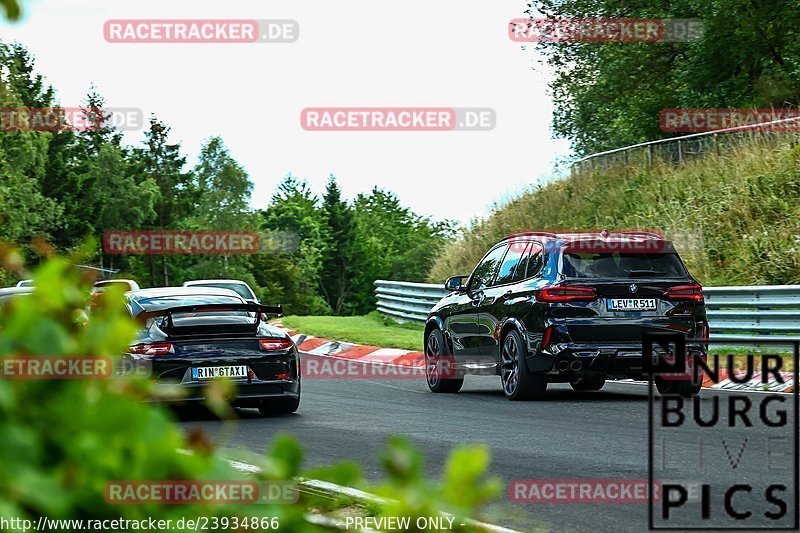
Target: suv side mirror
{"points": [[455, 284]]}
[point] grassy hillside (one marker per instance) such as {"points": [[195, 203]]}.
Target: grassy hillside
{"points": [[735, 218]]}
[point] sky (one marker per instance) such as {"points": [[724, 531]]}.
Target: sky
{"points": [[350, 53]]}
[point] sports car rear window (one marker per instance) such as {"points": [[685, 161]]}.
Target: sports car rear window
{"points": [[176, 301], [625, 265], [238, 288]]}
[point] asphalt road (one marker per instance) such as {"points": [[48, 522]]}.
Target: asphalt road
{"points": [[570, 435]]}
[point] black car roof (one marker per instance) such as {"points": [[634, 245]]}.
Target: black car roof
{"points": [[141, 296]]}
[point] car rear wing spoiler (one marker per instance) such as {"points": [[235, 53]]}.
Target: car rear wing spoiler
{"points": [[276, 310]]}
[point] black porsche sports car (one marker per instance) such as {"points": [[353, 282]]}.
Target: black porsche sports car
{"points": [[191, 335]]}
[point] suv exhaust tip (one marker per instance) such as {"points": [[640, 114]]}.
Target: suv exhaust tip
{"points": [[575, 366]]}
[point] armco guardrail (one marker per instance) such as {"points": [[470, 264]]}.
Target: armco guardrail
{"points": [[679, 149], [735, 313]]}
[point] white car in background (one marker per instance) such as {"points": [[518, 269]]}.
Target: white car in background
{"points": [[127, 284], [236, 285]]}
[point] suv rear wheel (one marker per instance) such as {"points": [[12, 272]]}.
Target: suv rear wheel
{"points": [[683, 387], [439, 365], [518, 383]]}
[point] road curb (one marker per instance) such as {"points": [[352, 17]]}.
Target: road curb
{"points": [[319, 346]]}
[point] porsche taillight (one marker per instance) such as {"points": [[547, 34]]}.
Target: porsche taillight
{"points": [[158, 348], [272, 345]]}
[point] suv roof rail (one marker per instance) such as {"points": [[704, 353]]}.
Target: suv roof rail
{"points": [[640, 233], [573, 234], [541, 233]]}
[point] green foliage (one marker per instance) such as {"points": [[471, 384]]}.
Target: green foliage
{"points": [[11, 8], [609, 95], [464, 485], [735, 219], [64, 440], [341, 255], [339, 249]]}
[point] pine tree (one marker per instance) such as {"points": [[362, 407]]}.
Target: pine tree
{"points": [[338, 255]]}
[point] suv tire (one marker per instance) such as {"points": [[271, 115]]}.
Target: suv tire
{"points": [[518, 383], [436, 357], [684, 388]]}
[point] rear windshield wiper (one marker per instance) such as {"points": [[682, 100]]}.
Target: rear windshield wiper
{"points": [[645, 273]]}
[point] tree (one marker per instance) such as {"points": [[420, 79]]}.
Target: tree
{"points": [[163, 163], [122, 203], [396, 243], [223, 190], [290, 268], [338, 257], [609, 95]]}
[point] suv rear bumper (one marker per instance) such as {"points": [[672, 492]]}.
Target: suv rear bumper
{"points": [[615, 360]]}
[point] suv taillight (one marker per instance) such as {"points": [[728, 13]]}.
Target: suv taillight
{"points": [[272, 345], [159, 348], [685, 293], [566, 294]]}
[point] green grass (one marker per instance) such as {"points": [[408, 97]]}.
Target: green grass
{"points": [[372, 329], [734, 218]]}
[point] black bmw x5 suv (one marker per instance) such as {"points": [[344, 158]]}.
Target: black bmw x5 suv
{"points": [[545, 308]]}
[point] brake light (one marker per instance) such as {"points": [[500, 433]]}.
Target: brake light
{"points": [[685, 293], [159, 348], [272, 345], [566, 294]]}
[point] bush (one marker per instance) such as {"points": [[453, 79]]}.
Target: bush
{"points": [[64, 440]]}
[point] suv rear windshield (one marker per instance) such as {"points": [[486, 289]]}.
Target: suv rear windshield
{"points": [[623, 265]]}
